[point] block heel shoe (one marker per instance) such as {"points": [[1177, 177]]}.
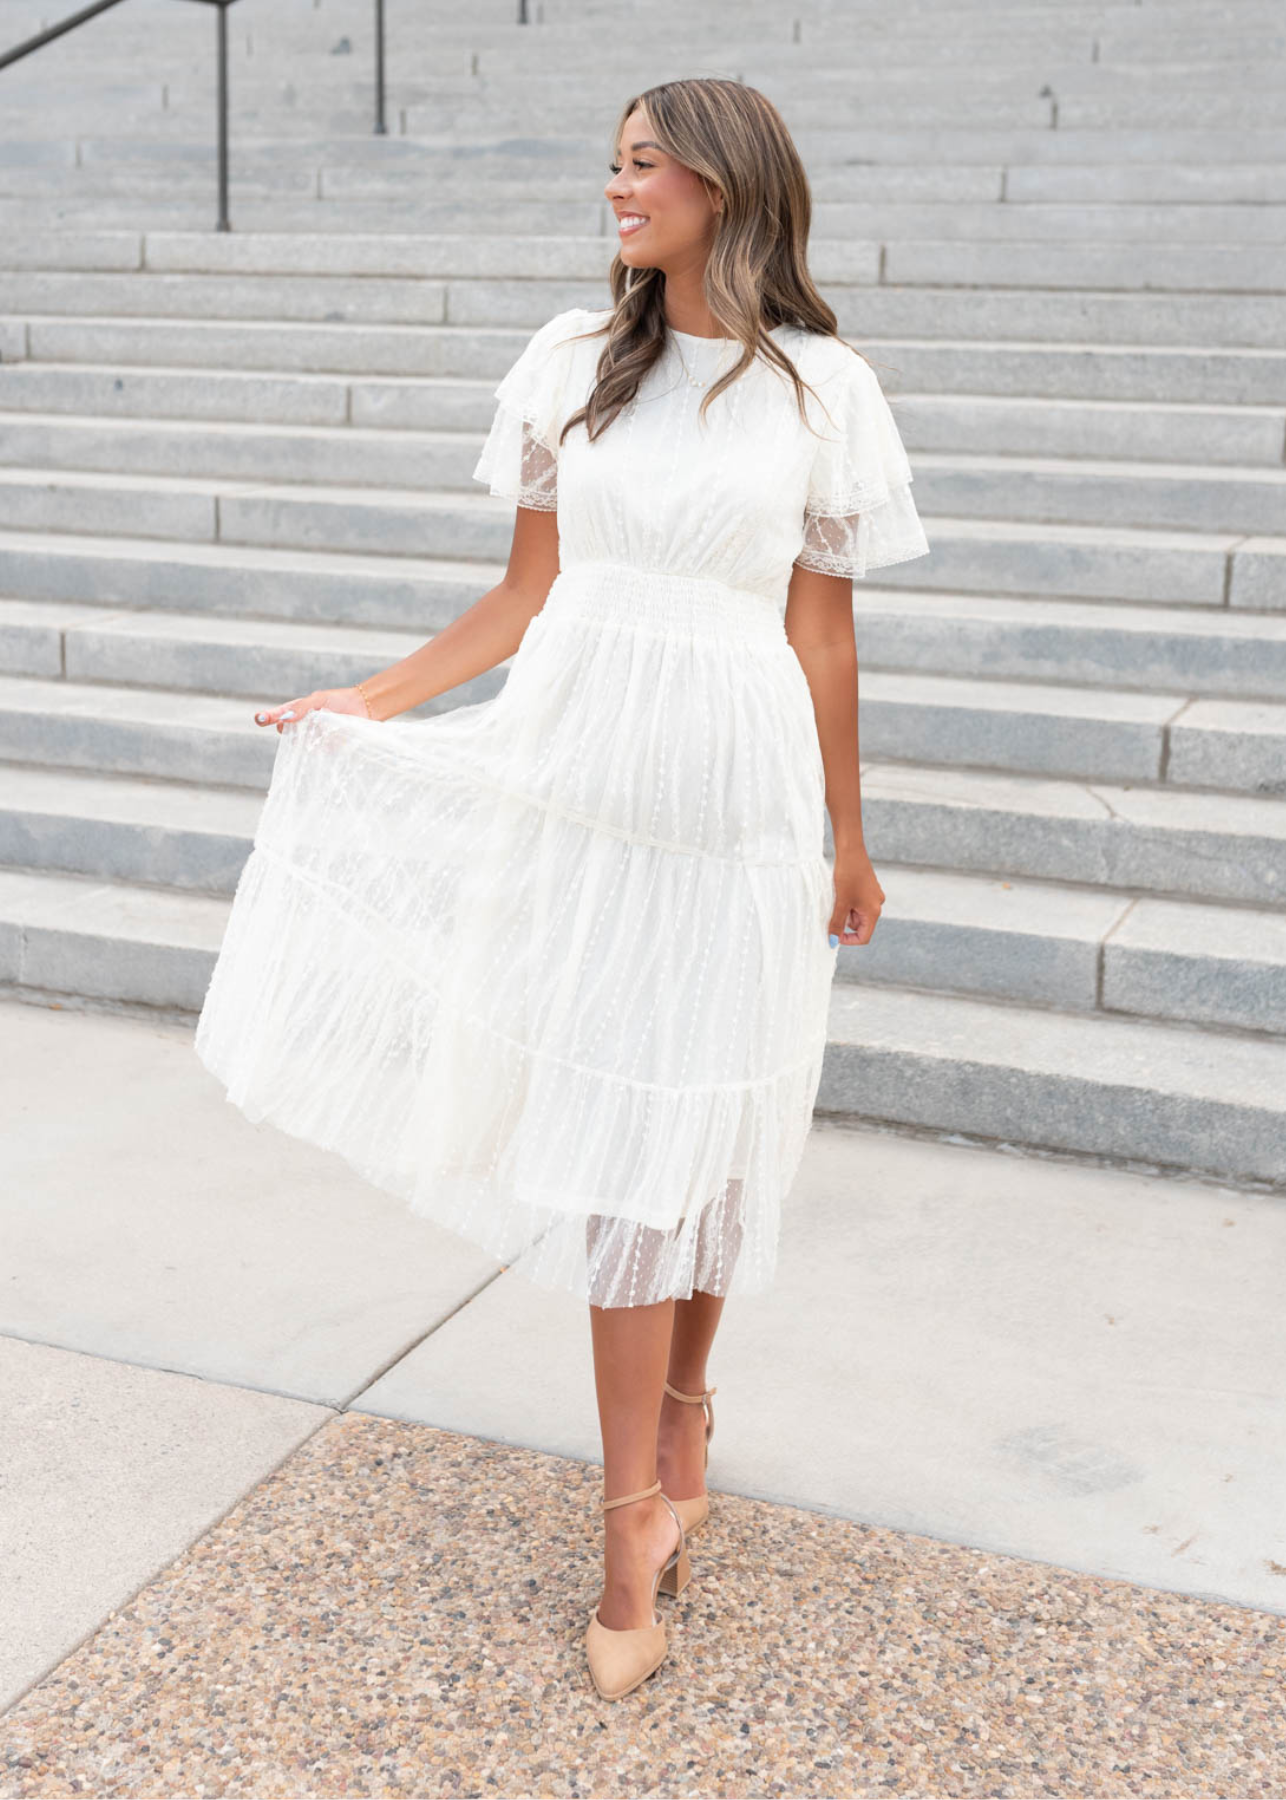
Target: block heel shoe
{"points": [[695, 1510], [620, 1660]]}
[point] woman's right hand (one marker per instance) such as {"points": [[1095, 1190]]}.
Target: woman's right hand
{"points": [[340, 700]]}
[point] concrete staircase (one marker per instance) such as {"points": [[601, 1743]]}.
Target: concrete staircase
{"points": [[233, 468]]}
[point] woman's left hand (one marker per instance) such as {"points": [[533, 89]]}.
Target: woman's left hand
{"points": [[858, 898]]}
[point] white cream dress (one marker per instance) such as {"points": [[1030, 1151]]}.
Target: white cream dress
{"points": [[554, 967]]}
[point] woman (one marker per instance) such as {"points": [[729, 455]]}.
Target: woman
{"points": [[555, 967]]}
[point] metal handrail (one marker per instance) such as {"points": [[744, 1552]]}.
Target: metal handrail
{"points": [[41, 38], [55, 31]]}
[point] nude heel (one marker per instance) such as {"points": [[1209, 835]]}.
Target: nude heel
{"points": [[677, 1573], [620, 1660], [695, 1510]]}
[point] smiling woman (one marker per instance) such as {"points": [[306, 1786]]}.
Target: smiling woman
{"points": [[555, 967]]}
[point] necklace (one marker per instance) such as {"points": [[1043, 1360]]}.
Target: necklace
{"points": [[692, 380]]}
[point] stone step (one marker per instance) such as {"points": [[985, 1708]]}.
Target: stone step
{"points": [[103, 182], [1177, 1096], [563, 201], [1022, 726], [1192, 846], [191, 653], [1087, 733], [1165, 111], [426, 138], [1080, 490], [1049, 222], [407, 378], [1095, 491], [1064, 373], [389, 522], [454, 109], [1225, 268], [1208, 320], [324, 204], [264, 534], [174, 735], [1047, 944], [1084, 367], [1157, 431], [1116, 294], [204, 449], [66, 934], [1192, 650], [880, 65], [184, 395], [1111, 146], [295, 25], [978, 101], [232, 581], [1242, 183], [898, 94], [1037, 943], [1147, 839], [132, 731], [975, 555], [1095, 431], [165, 834], [451, 204]]}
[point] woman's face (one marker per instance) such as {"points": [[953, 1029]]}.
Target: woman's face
{"points": [[665, 217]]}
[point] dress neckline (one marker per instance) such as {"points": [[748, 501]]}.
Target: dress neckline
{"points": [[690, 337]]}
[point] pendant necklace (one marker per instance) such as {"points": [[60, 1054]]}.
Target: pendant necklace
{"points": [[692, 380]]}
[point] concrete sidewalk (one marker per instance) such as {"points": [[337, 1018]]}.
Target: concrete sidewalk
{"points": [[300, 1492]]}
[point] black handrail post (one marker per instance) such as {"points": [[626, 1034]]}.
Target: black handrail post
{"points": [[381, 127], [224, 223]]}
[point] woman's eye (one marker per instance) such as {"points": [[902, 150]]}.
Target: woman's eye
{"points": [[615, 168]]}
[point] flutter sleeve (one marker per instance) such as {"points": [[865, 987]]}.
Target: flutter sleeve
{"points": [[859, 514], [519, 459]]}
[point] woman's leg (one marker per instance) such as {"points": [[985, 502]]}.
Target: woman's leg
{"points": [[631, 1355], [681, 1439]]}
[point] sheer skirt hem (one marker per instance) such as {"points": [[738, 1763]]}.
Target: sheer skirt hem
{"points": [[623, 1195]]}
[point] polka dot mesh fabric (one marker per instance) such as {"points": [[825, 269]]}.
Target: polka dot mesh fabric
{"points": [[553, 967]]}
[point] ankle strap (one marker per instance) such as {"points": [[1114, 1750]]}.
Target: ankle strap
{"points": [[694, 1399], [625, 1499]]}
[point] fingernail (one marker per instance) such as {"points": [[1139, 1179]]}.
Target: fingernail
{"points": [[260, 717], [287, 715], [834, 941]]}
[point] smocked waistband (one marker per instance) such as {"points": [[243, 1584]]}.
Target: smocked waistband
{"points": [[663, 600]]}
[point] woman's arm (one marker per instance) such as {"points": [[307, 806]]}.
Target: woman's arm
{"points": [[484, 635], [819, 625]]}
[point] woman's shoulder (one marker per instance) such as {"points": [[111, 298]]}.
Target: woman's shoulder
{"points": [[821, 357], [574, 320], [559, 332]]}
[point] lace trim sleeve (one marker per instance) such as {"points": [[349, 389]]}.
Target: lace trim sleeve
{"points": [[519, 459], [516, 464], [859, 513]]}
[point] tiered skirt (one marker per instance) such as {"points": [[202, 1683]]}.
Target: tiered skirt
{"points": [[553, 967]]}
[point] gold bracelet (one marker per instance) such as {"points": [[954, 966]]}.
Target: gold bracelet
{"points": [[361, 688]]}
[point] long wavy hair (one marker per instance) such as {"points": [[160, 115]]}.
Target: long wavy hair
{"points": [[756, 275]]}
